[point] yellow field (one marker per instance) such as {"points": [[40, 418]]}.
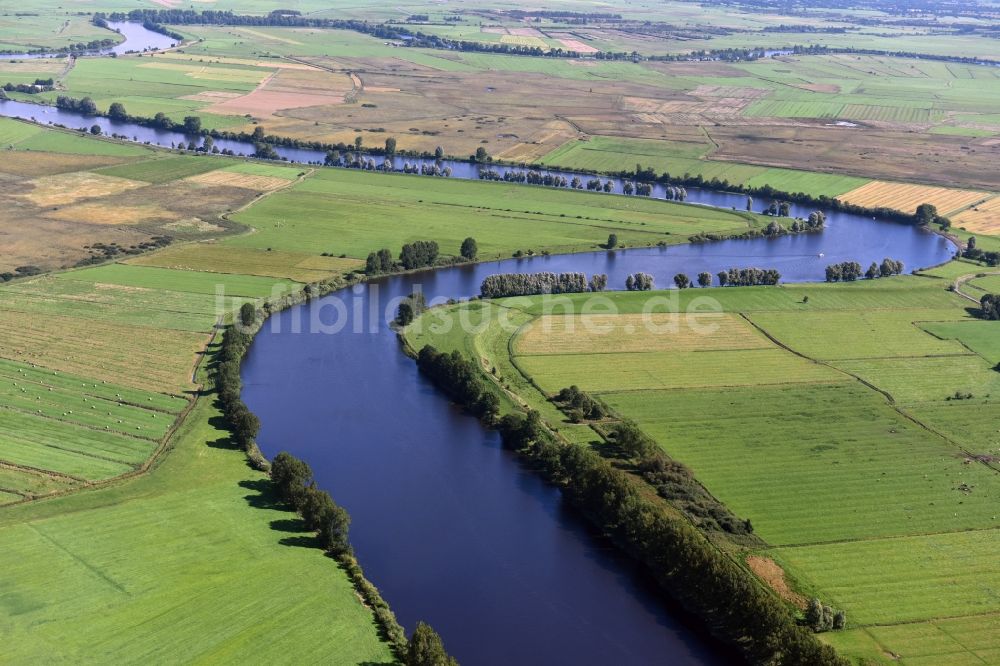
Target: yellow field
{"points": [[68, 188], [906, 197], [101, 213], [591, 334], [522, 40], [982, 219], [674, 370], [216, 258], [242, 180], [102, 350], [36, 163]]}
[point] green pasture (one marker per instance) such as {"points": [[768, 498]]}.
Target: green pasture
{"points": [[193, 562], [350, 212], [906, 579], [684, 158]]}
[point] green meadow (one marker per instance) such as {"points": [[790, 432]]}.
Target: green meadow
{"points": [[322, 214]]}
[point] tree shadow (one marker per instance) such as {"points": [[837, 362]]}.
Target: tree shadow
{"points": [[225, 443], [265, 497], [304, 541], [293, 525]]}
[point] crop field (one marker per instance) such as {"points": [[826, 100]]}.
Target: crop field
{"points": [[608, 334], [320, 215], [101, 350], [219, 258], [907, 197], [160, 308], [981, 218], [193, 282], [661, 370], [68, 193], [928, 379]]}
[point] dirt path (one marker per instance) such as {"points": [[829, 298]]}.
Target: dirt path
{"points": [[961, 280]]}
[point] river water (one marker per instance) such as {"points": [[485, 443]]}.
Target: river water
{"points": [[137, 39], [446, 523]]}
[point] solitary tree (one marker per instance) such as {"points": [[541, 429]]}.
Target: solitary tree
{"points": [[750, 204], [248, 314], [612, 241], [390, 146], [438, 152], [357, 142], [723, 278], [682, 281], [192, 124], [117, 111], [95, 130], [481, 154], [925, 214], [705, 279], [469, 249]]}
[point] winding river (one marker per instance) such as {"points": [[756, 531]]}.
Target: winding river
{"points": [[446, 523]]}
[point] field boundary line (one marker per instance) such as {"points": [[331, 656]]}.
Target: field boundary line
{"points": [[97, 572], [889, 397], [891, 537]]}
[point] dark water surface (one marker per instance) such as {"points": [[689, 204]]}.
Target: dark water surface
{"points": [[446, 523]]}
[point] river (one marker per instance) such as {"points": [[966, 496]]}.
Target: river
{"points": [[137, 39], [446, 523]]}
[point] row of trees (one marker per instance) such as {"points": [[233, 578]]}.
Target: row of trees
{"points": [[639, 282], [674, 481], [697, 574], [294, 483], [849, 271], [417, 254], [459, 378], [529, 284], [748, 277]]}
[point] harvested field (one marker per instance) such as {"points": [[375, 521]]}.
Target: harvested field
{"points": [[102, 350], [287, 89], [524, 40], [982, 218], [241, 180], [578, 46], [59, 190], [906, 198], [219, 258], [100, 213], [582, 334], [36, 163]]}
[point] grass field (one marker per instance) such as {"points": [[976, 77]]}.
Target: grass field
{"points": [[878, 496], [320, 215], [184, 564]]}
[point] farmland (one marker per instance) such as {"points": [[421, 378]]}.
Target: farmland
{"points": [[97, 368], [845, 399]]}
